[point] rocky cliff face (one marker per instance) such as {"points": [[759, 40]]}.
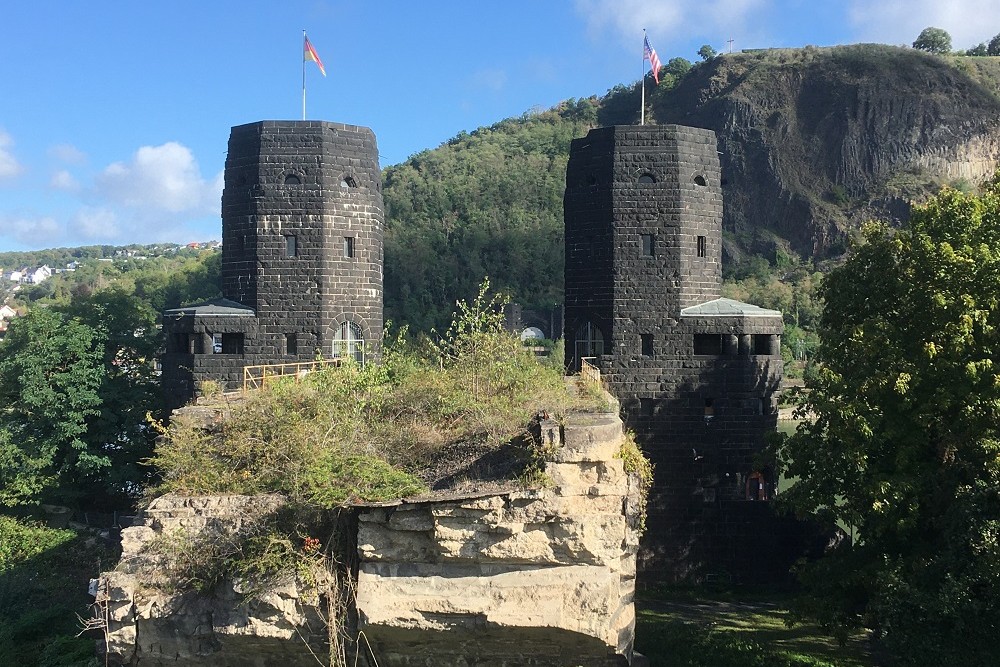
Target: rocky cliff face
{"points": [[815, 141], [541, 577]]}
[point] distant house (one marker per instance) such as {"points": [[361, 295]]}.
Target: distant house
{"points": [[6, 315], [39, 275], [14, 275]]}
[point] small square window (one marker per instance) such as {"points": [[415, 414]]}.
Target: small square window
{"points": [[291, 246], [646, 344], [761, 344], [348, 246], [232, 343], [708, 344], [702, 246], [648, 245]]}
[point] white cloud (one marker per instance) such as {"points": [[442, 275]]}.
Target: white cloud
{"points": [[63, 180], [95, 224], [29, 230], [9, 166], [163, 178], [900, 21], [663, 19], [68, 154]]}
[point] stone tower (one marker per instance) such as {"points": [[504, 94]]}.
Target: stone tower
{"points": [[696, 374], [302, 226]]}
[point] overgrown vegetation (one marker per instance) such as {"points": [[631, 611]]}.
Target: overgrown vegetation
{"points": [[349, 433], [904, 445], [43, 588], [366, 432], [635, 463]]}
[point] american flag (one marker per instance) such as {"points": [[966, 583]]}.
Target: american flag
{"points": [[649, 53]]}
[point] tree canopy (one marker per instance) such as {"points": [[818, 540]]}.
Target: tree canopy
{"points": [[933, 40], [76, 385], [904, 441], [993, 48]]}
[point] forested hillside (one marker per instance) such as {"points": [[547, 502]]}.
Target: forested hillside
{"points": [[813, 142], [487, 203]]}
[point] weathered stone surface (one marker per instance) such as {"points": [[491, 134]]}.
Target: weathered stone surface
{"points": [[696, 374], [515, 579], [151, 626], [540, 577]]}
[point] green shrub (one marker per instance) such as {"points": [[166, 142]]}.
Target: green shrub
{"points": [[364, 432]]}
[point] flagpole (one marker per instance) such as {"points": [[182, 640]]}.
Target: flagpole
{"points": [[303, 75], [642, 81]]}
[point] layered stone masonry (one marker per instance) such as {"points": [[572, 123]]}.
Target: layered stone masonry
{"points": [[643, 210], [542, 577], [539, 577], [302, 251]]}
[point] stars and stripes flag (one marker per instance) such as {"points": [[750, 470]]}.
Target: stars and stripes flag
{"points": [[648, 53], [309, 53]]}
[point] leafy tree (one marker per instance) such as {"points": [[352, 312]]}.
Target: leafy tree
{"points": [[77, 383], [677, 67], [706, 52], [977, 50], [904, 445], [993, 48], [49, 379], [933, 40]]}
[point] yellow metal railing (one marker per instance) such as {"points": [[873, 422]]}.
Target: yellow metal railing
{"points": [[589, 371], [257, 377]]}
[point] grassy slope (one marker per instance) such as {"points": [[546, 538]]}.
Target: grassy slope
{"points": [[698, 629]]}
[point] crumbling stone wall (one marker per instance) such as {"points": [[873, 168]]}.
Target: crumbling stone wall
{"points": [[540, 577]]}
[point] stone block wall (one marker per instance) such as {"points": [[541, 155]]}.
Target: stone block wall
{"points": [[539, 577], [696, 375], [542, 577]]}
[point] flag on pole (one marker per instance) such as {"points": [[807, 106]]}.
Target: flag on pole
{"points": [[648, 53], [310, 54]]}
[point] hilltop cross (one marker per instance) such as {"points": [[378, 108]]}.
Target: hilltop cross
{"points": [[730, 45]]}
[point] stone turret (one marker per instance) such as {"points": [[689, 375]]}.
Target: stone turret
{"points": [[302, 225], [696, 373]]}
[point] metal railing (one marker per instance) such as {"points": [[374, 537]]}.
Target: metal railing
{"points": [[257, 377], [589, 371]]}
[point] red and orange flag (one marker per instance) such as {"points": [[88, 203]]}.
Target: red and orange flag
{"points": [[310, 54]]}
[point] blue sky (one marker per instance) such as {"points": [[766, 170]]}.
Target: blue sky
{"points": [[114, 116]]}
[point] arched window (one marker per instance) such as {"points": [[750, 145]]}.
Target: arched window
{"points": [[348, 341], [647, 178], [700, 180], [292, 179], [589, 341]]}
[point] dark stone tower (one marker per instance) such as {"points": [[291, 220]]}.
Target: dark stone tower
{"points": [[695, 373], [302, 229]]}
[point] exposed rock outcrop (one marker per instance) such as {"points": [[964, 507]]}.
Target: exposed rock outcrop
{"points": [[542, 576], [814, 141]]}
